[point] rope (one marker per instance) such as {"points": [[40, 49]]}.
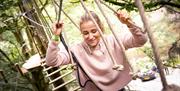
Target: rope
{"points": [[132, 23], [60, 9], [115, 35], [33, 40], [147, 28], [24, 15], [46, 12], [68, 16], [55, 8], [44, 19], [59, 17], [64, 39], [76, 61], [101, 34]]}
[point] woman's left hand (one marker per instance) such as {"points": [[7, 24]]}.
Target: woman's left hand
{"points": [[124, 17]]}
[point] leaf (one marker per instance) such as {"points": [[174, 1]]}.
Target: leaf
{"points": [[2, 24]]}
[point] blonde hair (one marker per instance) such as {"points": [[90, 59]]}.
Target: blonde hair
{"points": [[86, 17]]}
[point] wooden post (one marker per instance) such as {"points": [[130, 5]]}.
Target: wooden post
{"points": [[153, 43]]}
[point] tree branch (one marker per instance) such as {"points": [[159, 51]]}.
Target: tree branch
{"points": [[169, 4], [130, 6]]}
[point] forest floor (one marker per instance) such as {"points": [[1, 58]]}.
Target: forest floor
{"points": [[155, 85]]}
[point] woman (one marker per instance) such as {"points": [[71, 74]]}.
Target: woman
{"points": [[96, 71]]}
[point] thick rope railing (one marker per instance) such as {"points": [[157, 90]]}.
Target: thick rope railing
{"points": [[65, 36], [60, 9], [56, 11], [67, 16], [115, 12], [58, 19], [134, 74], [115, 36], [24, 15], [76, 61], [64, 39], [115, 65]]}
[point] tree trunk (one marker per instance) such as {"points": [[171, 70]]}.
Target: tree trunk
{"points": [[153, 44]]}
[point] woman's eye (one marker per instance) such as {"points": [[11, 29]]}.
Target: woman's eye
{"points": [[85, 33], [94, 31]]}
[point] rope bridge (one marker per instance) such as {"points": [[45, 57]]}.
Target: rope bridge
{"points": [[44, 24]]}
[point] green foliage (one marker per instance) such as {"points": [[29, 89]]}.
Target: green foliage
{"points": [[12, 51], [173, 62], [149, 52], [7, 4], [8, 25], [145, 65], [149, 5], [15, 81], [8, 36], [8, 9]]}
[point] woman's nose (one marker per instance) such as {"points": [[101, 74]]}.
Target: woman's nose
{"points": [[90, 36]]}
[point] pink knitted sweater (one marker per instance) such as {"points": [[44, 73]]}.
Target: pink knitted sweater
{"points": [[97, 63]]}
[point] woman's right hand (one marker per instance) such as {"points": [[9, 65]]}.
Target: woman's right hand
{"points": [[57, 28]]}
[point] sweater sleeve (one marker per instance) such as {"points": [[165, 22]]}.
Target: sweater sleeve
{"points": [[134, 39], [56, 56]]}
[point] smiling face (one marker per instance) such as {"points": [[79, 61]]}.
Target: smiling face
{"points": [[90, 33]]}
